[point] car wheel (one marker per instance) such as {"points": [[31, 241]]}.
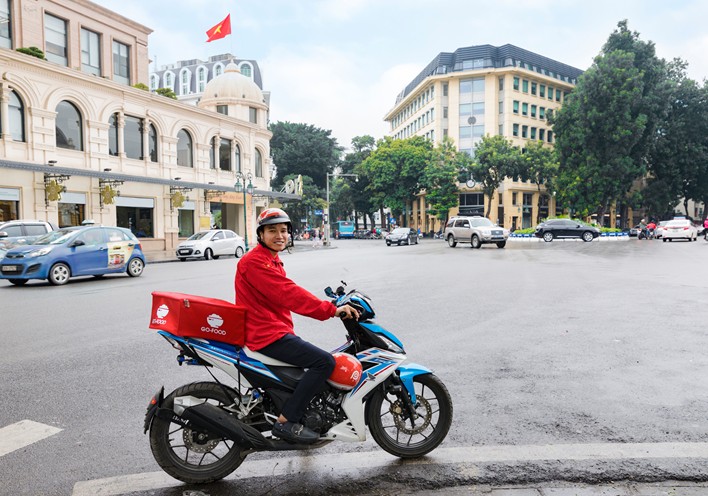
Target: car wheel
{"points": [[59, 274], [208, 254], [451, 241], [663, 239], [18, 282], [475, 242], [548, 237], [388, 243], [135, 267], [671, 239], [587, 236], [501, 244], [239, 252]]}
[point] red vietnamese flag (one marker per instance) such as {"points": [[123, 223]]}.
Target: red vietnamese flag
{"points": [[220, 30]]}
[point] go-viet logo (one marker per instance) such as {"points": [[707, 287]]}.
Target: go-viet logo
{"points": [[215, 321], [161, 313]]}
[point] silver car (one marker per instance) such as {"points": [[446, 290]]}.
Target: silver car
{"points": [[211, 244], [474, 230]]}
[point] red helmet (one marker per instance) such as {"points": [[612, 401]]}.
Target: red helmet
{"points": [[346, 373], [273, 216]]}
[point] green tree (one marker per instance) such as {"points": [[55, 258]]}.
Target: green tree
{"points": [[440, 178], [395, 169], [495, 158], [362, 146], [539, 165], [303, 149], [606, 128], [312, 200]]}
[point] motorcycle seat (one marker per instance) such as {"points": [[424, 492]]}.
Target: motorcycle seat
{"points": [[265, 359]]}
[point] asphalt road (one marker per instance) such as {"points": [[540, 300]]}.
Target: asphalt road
{"points": [[594, 352]]}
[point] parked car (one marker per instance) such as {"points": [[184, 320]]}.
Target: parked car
{"points": [[402, 236], [476, 230], [74, 251], [565, 228], [680, 229], [634, 231], [659, 231], [22, 232], [211, 244]]}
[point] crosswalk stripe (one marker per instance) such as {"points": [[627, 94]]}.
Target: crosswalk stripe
{"points": [[23, 433], [354, 462]]}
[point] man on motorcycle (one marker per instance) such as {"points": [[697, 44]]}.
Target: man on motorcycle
{"points": [[264, 289]]}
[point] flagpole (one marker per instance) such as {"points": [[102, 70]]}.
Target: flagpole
{"points": [[232, 42]]}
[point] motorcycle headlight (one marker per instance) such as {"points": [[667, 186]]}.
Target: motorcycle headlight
{"points": [[41, 252], [391, 345]]}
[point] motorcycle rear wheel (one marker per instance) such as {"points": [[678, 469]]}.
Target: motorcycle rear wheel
{"points": [[182, 453], [390, 423]]}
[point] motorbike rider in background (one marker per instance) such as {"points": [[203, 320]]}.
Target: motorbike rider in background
{"points": [[270, 297]]}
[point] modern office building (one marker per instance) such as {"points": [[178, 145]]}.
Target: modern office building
{"points": [[78, 141], [485, 90]]}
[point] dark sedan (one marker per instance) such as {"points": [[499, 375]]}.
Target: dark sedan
{"points": [[565, 228]]}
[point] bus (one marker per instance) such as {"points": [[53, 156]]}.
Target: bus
{"points": [[344, 229]]}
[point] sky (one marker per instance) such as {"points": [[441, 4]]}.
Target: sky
{"points": [[339, 64]]}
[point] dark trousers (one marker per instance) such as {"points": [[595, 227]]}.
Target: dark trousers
{"points": [[319, 364]]}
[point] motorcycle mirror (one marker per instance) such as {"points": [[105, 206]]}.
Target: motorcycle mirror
{"points": [[328, 291]]}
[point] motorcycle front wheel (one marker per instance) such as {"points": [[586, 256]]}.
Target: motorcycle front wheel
{"points": [[395, 431], [191, 455]]}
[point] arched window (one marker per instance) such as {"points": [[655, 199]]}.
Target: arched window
{"points": [[259, 163], [201, 79], [16, 114], [246, 70], [184, 78], [213, 152], [218, 70], [154, 82], [133, 137], [225, 154], [69, 127], [152, 143], [113, 135], [169, 83], [238, 159], [184, 149]]}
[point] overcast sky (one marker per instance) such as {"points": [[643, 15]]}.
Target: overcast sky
{"points": [[339, 64]]}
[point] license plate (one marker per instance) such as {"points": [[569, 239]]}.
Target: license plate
{"points": [[10, 268], [183, 252]]}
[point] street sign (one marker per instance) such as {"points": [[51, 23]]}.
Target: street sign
{"points": [[318, 212]]}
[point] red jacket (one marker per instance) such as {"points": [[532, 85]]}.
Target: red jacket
{"points": [[269, 296]]}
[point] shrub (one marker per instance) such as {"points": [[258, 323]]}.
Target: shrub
{"points": [[33, 51], [166, 92], [141, 86]]}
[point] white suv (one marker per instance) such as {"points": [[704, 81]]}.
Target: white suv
{"points": [[14, 232], [475, 230]]}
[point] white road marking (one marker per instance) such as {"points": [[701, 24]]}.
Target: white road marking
{"points": [[354, 462], [23, 433]]}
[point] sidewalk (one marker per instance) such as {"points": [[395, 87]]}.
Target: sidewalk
{"points": [[623, 488]]}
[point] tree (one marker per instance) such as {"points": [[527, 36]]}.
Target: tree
{"points": [[362, 146], [606, 127], [303, 149], [494, 159], [440, 178], [312, 199], [395, 169], [539, 165]]}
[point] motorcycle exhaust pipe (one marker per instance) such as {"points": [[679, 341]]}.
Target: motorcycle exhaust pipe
{"points": [[216, 421]]}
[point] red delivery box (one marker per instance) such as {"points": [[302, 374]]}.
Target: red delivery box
{"points": [[192, 316]]}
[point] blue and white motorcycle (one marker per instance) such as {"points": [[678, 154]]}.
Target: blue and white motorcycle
{"points": [[203, 431]]}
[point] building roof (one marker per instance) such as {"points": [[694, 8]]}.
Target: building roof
{"points": [[488, 56], [232, 85]]}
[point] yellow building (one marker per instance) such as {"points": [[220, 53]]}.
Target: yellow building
{"points": [[485, 90], [78, 142]]}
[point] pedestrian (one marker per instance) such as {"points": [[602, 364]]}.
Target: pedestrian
{"points": [[705, 229], [270, 297]]}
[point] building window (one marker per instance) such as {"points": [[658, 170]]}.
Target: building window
{"points": [[524, 109], [184, 77], [501, 84], [542, 91], [550, 136], [542, 112], [533, 133], [501, 107], [533, 110], [218, 70], [113, 135], [154, 82], [152, 143], [225, 155], [136, 214], [525, 86], [516, 107], [90, 52], [246, 70], [516, 130], [185, 222], [69, 127], [201, 79], [16, 117], [516, 83], [514, 198], [222, 109], [184, 149], [121, 63], [5, 25], [444, 112], [212, 154], [55, 39], [259, 163], [133, 137], [542, 134], [238, 158], [445, 89], [168, 80], [253, 115], [558, 95], [533, 88], [71, 209], [550, 92], [524, 131]]}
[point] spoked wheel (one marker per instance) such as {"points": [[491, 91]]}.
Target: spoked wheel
{"points": [[390, 421], [190, 455]]}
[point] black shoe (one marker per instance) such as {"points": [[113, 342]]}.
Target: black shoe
{"points": [[295, 433]]}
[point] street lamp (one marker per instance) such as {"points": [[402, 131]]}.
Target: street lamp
{"points": [[241, 187], [326, 220]]}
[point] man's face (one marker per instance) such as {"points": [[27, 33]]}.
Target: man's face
{"points": [[275, 237]]}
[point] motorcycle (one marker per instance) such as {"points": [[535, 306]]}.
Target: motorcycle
{"points": [[201, 432]]}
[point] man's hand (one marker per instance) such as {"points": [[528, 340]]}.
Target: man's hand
{"points": [[347, 312]]}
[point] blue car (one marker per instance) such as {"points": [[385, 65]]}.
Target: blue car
{"points": [[74, 251]]}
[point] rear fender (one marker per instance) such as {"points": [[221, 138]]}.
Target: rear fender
{"points": [[153, 406]]}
